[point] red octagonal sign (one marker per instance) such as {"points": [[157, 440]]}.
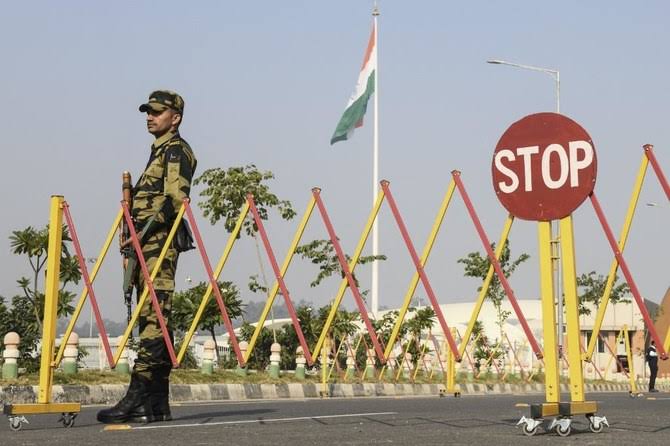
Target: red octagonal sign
{"points": [[544, 167]]}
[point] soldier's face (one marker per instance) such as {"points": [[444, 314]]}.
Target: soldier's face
{"points": [[159, 123]]}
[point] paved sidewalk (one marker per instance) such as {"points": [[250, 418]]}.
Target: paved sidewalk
{"points": [[109, 393]]}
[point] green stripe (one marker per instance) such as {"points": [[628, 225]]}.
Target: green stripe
{"points": [[354, 112]]}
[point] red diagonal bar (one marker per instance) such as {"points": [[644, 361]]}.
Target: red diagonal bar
{"points": [[614, 355], [354, 354], [436, 348], [469, 356], [316, 192], [649, 151], [582, 348], [420, 270], [149, 283], [627, 274], [214, 284], [516, 358], [496, 265], [89, 285], [280, 279]]}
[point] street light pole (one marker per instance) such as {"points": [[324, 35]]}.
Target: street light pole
{"points": [[555, 231], [555, 74]]}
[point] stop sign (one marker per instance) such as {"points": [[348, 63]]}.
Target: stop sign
{"points": [[544, 167]]}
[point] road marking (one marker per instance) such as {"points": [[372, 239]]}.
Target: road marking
{"points": [[117, 427], [265, 420], [521, 405]]}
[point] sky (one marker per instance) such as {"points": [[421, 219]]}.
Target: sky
{"points": [[265, 83]]}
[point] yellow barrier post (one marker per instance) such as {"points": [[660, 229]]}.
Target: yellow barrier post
{"points": [[612, 353], [403, 360], [551, 372], [631, 367], [577, 405], [522, 371], [507, 227], [422, 348], [145, 292], [437, 223], [604, 300], [275, 288], [352, 266], [335, 363], [44, 404], [451, 371], [564, 411], [84, 291], [324, 370], [217, 272]]}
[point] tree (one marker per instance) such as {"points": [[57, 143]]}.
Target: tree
{"points": [[477, 265], [186, 303], [422, 320], [322, 253], [591, 288], [263, 343], [34, 244], [26, 312], [288, 337], [226, 192]]}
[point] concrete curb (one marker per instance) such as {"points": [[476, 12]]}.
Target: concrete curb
{"points": [[111, 393]]}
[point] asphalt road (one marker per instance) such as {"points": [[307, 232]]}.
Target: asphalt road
{"points": [[365, 421]]}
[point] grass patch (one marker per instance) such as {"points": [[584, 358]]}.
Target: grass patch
{"points": [[220, 376]]}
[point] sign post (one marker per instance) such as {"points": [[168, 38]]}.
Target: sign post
{"points": [[543, 168]]}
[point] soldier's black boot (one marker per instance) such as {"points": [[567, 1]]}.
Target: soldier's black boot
{"points": [[160, 395], [134, 407]]}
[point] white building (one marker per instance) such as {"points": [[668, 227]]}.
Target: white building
{"points": [[458, 315]]}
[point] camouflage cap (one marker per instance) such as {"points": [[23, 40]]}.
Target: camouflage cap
{"points": [[160, 100]]}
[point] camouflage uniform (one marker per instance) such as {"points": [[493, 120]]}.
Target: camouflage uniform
{"points": [[157, 197], [166, 181]]}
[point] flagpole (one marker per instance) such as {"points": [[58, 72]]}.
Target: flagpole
{"points": [[375, 172]]}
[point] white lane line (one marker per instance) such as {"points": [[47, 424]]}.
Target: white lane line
{"points": [[266, 420]]}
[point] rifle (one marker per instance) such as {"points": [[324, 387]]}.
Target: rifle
{"points": [[129, 256]]}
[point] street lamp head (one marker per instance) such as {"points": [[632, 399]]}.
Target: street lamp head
{"points": [[495, 61]]}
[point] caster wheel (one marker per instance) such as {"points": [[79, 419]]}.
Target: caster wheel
{"points": [[15, 424], [527, 431], [563, 432], [596, 430], [68, 419]]}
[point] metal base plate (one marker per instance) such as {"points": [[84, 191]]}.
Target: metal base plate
{"points": [[39, 408], [543, 410], [577, 408]]}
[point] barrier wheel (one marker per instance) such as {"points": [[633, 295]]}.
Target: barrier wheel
{"points": [[15, 423], [68, 419], [527, 431], [596, 430], [563, 432]]}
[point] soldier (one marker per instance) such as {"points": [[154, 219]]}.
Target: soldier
{"points": [[157, 197], [652, 359]]}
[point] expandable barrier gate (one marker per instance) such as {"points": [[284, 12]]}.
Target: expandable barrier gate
{"points": [[455, 352]]}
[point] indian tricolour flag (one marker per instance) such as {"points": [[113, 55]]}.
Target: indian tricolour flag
{"points": [[358, 102]]}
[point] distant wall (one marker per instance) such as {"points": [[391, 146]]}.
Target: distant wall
{"points": [[662, 324]]}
